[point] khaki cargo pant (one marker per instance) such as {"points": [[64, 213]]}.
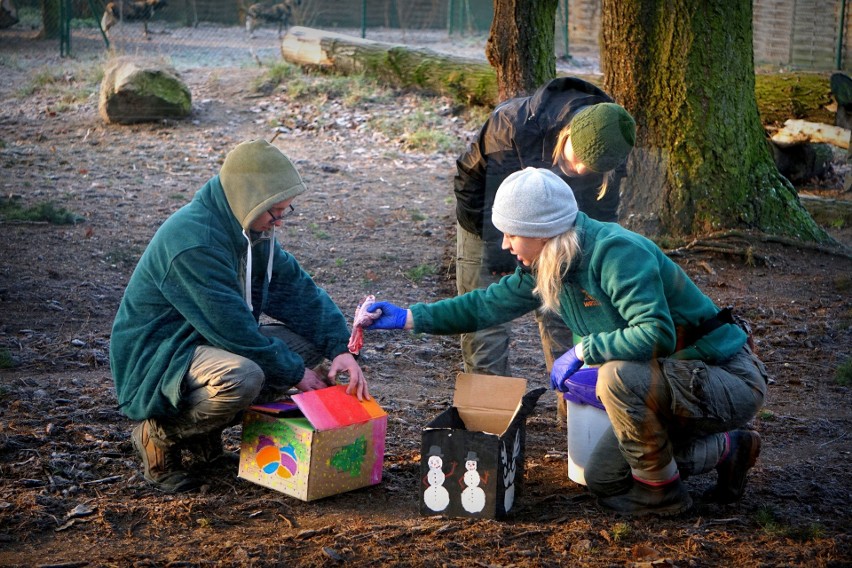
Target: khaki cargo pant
{"points": [[671, 409], [219, 385]]}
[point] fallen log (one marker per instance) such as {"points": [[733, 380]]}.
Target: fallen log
{"points": [[473, 81], [797, 131], [469, 81]]}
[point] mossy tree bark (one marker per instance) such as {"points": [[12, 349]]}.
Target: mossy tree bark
{"points": [[685, 70], [520, 46]]}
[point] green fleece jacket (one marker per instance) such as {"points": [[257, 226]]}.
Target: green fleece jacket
{"points": [[623, 295], [189, 290]]}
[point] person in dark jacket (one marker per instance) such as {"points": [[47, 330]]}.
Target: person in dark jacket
{"points": [[187, 352], [569, 127], [677, 377]]}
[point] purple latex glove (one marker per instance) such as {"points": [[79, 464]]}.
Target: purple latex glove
{"points": [[392, 317], [563, 368]]}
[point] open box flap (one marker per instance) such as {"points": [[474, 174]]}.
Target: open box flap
{"points": [[488, 391], [331, 407], [276, 408], [488, 403]]}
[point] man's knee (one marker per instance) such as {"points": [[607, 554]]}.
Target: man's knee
{"points": [[247, 382], [233, 383]]}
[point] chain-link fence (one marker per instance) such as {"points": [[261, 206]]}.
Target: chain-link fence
{"points": [[802, 34], [139, 25]]}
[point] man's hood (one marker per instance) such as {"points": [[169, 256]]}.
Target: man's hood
{"points": [[255, 176]]}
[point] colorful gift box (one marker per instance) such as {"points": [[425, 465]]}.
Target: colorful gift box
{"points": [[320, 443]]}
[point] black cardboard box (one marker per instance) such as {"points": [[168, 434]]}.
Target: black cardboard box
{"points": [[472, 455]]}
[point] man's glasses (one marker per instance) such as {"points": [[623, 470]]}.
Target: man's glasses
{"points": [[288, 209]]}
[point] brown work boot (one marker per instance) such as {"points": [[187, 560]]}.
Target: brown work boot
{"points": [[161, 466], [643, 499], [743, 449]]}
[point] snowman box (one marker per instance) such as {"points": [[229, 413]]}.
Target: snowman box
{"points": [[316, 444], [472, 455]]}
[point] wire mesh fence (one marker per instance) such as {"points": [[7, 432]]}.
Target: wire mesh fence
{"points": [[787, 33], [186, 28]]}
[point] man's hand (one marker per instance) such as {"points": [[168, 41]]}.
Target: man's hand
{"points": [[313, 381], [389, 316], [345, 363], [563, 368]]}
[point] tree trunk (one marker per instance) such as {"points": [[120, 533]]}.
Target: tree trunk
{"points": [[520, 46], [685, 70], [467, 80]]}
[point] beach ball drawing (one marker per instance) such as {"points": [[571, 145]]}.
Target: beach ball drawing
{"points": [[274, 460]]}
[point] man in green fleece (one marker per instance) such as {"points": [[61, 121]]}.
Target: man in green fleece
{"points": [[677, 377], [188, 353]]}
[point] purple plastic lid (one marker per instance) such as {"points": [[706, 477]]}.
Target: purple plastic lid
{"points": [[581, 387]]}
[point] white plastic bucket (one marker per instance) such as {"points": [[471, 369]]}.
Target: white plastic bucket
{"points": [[587, 421]]}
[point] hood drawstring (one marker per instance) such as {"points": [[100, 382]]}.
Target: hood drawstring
{"points": [[272, 244], [247, 291], [247, 287]]}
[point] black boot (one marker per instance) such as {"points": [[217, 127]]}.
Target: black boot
{"points": [[208, 449], [643, 499], [743, 449]]}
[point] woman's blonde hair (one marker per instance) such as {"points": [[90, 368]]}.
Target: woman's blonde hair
{"points": [[559, 159], [552, 265]]}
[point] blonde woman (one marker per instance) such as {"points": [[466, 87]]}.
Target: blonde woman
{"points": [[676, 376], [568, 126]]}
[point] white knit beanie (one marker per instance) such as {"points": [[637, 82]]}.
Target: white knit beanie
{"points": [[534, 202]]}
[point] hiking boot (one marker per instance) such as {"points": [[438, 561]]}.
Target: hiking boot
{"points": [[161, 466], [208, 449], [743, 449], [643, 499]]}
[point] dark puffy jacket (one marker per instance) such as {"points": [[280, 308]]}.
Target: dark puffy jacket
{"points": [[521, 133]]}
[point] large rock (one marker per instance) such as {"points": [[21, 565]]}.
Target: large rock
{"points": [[142, 90]]}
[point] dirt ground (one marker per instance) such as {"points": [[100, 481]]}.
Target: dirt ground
{"points": [[378, 219]]}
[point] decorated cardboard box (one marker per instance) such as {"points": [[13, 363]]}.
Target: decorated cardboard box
{"points": [[320, 443], [472, 455]]}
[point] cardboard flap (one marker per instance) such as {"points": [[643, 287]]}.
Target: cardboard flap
{"points": [[488, 403], [487, 421], [489, 392], [332, 408], [530, 400]]}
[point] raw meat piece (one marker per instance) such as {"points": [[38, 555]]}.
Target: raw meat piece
{"points": [[362, 316]]}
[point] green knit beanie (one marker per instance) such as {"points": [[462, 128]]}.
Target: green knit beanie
{"points": [[255, 176], [602, 136]]}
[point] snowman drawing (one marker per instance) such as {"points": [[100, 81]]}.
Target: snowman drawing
{"points": [[473, 497], [436, 496], [509, 470]]}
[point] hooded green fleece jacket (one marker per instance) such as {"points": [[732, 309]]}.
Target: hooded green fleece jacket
{"points": [[188, 290], [623, 295]]}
